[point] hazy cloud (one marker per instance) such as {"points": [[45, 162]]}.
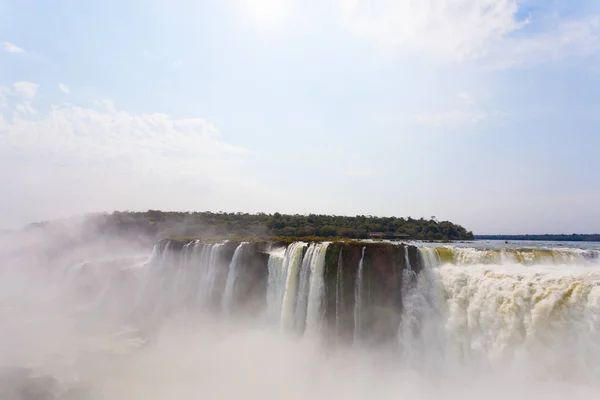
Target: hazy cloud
{"points": [[63, 88], [568, 38], [25, 108], [466, 97], [469, 29], [121, 157], [25, 89], [12, 48], [451, 119], [140, 141], [450, 28]]}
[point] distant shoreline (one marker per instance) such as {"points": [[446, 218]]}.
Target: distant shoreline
{"points": [[546, 237]]}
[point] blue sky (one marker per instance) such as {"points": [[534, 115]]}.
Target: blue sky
{"points": [[483, 112]]}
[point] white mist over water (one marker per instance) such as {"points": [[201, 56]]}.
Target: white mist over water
{"points": [[469, 330]]}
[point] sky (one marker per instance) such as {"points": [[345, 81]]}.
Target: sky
{"points": [[481, 112]]}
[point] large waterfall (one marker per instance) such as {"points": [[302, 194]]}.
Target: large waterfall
{"points": [[439, 310], [533, 311], [490, 305]]}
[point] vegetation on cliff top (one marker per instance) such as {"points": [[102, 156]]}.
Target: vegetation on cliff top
{"points": [[163, 224]]}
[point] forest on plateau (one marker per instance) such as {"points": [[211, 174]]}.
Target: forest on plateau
{"points": [[167, 224]]}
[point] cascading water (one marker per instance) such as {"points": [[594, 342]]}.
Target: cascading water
{"points": [[339, 285], [358, 298], [276, 283], [525, 256], [291, 267], [180, 279], [212, 267], [296, 286], [535, 312], [407, 260], [232, 277], [316, 291], [303, 288], [421, 335]]}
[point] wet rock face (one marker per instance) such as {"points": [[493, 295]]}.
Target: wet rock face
{"points": [[383, 264], [341, 267]]}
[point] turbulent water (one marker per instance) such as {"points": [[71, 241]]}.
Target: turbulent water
{"points": [[474, 322]]}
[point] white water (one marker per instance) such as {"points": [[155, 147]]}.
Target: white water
{"points": [[540, 321], [296, 286], [276, 283], [232, 277], [358, 298], [303, 288], [470, 330], [525, 256], [316, 291], [291, 267], [212, 270], [338, 291]]}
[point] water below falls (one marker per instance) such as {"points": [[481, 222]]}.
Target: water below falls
{"points": [[357, 320]]}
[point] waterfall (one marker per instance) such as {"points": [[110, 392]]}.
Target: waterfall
{"points": [[316, 291], [358, 298], [228, 299], [212, 270], [429, 257], [196, 268], [296, 286], [339, 294], [510, 314], [525, 256], [535, 309], [291, 266], [421, 334], [185, 274], [275, 283], [303, 289]]}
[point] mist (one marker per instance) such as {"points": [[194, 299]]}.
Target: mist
{"points": [[78, 321]]}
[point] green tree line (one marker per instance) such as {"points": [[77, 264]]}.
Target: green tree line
{"points": [[158, 223]]}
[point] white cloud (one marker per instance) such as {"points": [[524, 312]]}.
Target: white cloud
{"points": [[101, 157], [455, 29], [25, 89], [469, 29], [451, 119], [105, 134], [63, 88], [12, 48], [466, 97], [25, 108], [569, 38]]}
